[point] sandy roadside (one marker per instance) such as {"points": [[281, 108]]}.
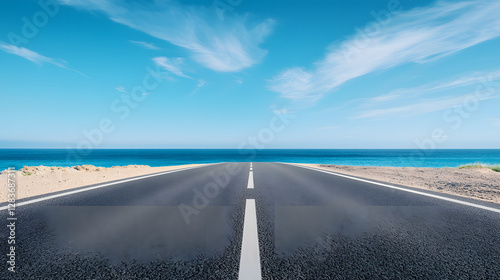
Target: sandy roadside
{"points": [[37, 180], [477, 183]]}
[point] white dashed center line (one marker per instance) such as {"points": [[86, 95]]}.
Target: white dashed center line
{"points": [[250, 179], [250, 257]]}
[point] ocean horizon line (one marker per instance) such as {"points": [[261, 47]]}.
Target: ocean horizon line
{"points": [[168, 157], [253, 149]]}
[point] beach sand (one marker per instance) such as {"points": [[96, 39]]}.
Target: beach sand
{"points": [[477, 183], [37, 180]]}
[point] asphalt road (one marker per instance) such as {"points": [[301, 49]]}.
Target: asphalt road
{"points": [[310, 225]]}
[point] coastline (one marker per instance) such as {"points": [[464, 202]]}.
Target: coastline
{"points": [[166, 157], [476, 183], [38, 180]]}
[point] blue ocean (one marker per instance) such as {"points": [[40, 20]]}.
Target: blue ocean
{"points": [[164, 157]]}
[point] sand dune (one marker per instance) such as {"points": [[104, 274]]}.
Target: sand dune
{"points": [[477, 183], [37, 180]]}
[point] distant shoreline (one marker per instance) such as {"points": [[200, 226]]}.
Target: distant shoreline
{"points": [[171, 157]]}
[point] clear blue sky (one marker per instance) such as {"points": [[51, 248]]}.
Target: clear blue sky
{"points": [[216, 74]]}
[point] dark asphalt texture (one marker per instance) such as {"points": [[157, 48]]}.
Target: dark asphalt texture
{"points": [[314, 225], [133, 230], [311, 225]]}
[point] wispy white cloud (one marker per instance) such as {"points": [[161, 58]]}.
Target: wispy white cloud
{"points": [[419, 35], [28, 54], [35, 57], [386, 97], [426, 106], [176, 67], [146, 45], [229, 45], [463, 81], [471, 79], [124, 90], [173, 65], [121, 88], [295, 83], [200, 84], [422, 99]]}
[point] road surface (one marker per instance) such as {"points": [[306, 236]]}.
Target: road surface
{"points": [[252, 221]]}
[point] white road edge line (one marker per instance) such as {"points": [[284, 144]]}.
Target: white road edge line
{"points": [[98, 187], [250, 257], [402, 189]]}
